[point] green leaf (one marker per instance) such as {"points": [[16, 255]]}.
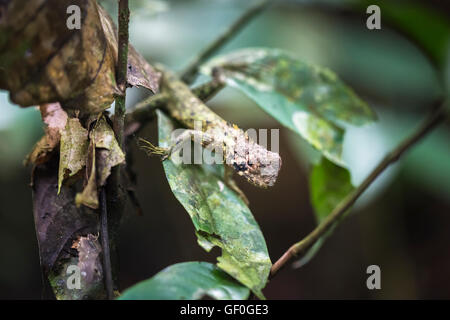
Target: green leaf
{"points": [[321, 134], [220, 216], [73, 150], [188, 281], [308, 99], [329, 184]]}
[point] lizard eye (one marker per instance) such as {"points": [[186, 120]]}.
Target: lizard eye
{"points": [[240, 166]]}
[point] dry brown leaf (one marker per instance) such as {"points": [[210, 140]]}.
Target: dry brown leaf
{"points": [[58, 221], [40, 153], [104, 154], [108, 153], [89, 196], [42, 61], [73, 150], [139, 73], [55, 119], [89, 259]]}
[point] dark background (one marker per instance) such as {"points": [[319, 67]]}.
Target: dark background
{"points": [[402, 222]]}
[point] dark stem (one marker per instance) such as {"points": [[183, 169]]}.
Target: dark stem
{"points": [[104, 233], [299, 249], [115, 201], [122, 69]]}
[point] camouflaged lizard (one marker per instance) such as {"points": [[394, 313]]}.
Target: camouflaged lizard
{"points": [[254, 162]]}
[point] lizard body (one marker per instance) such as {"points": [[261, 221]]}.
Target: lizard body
{"points": [[254, 162]]}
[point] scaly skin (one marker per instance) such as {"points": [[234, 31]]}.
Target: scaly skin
{"points": [[255, 163]]}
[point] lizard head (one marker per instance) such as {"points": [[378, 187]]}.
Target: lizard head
{"points": [[257, 164]]}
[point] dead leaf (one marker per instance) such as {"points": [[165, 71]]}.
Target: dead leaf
{"points": [[89, 196], [58, 221], [60, 228], [104, 153], [73, 150], [55, 119], [42, 61], [139, 73], [109, 153], [41, 152], [89, 259], [76, 243]]}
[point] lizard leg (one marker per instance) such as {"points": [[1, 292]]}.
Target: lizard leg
{"points": [[188, 135], [153, 150], [208, 140], [233, 186]]}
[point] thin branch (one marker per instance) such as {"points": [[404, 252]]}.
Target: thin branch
{"points": [[301, 248], [115, 203], [107, 269], [190, 72], [122, 65]]}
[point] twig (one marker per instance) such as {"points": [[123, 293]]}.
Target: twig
{"points": [[107, 269], [116, 201], [122, 65], [301, 248], [189, 73]]}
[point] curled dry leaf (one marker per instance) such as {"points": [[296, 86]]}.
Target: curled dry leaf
{"points": [[73, 150], [42, 60], [109, 154], [139, 73], [55, 119], [41, 152], [89, 262], [104, 154], [89, 196], [99, 155]]}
